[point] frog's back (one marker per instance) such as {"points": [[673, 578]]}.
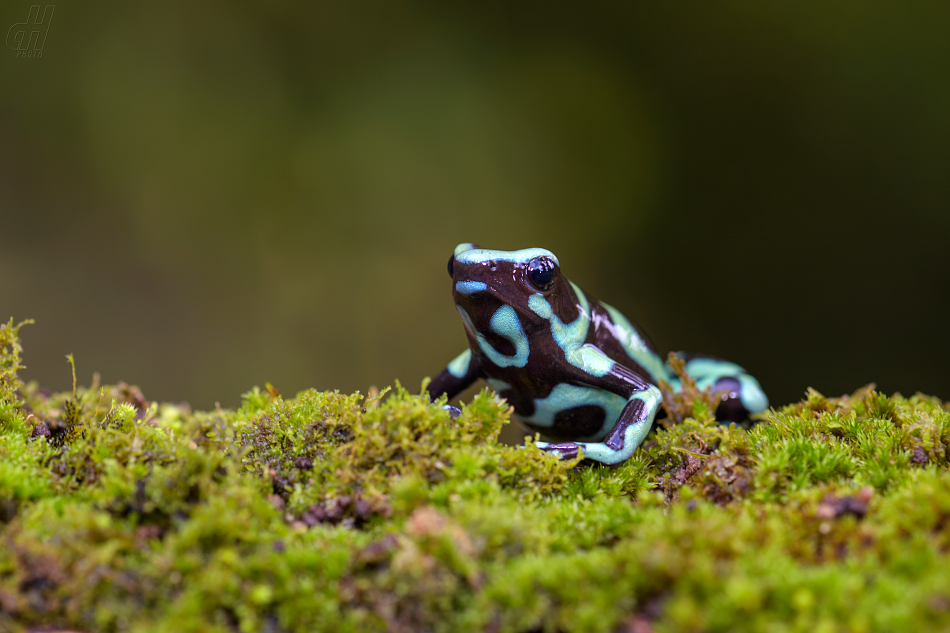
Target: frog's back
{"points": [[625, 343], [622, 341]]}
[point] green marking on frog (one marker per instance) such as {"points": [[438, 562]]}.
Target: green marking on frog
{"points": [[570, 337], [458, 367], [470, 287], [482, 255], [504, 323]]}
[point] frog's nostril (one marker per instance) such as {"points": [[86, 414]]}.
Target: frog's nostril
{"points": [[492, 266]]}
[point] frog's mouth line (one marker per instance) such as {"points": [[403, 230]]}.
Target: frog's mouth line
{"points": [[470, 287]]}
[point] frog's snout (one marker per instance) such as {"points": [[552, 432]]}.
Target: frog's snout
{"points": [[471, 276], [461, 248]]}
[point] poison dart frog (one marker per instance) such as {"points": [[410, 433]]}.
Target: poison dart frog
{"points": [[576, 370]]}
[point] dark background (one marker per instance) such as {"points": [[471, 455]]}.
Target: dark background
{"points": [[198, 198]]}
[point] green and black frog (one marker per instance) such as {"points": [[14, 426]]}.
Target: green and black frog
{"points": [[576, 370]]}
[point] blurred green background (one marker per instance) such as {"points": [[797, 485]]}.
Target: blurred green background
{"points": [[200, 197]]}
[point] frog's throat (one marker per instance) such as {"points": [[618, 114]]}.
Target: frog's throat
{"points": [[570, 337], [506, 324]]}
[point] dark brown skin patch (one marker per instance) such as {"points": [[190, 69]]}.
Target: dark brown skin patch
{"points": [[501, 344], [582, 421], [521, 401], [564, 300]]}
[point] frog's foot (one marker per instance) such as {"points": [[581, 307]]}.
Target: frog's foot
{"points": [[616, 448], [741, 393], [596, 451], [454, 412], [740, 396], [731, 407], [564, 450]]}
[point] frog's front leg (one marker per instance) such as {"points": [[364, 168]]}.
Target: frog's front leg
{"points": [[460, 373], [632, 425]]}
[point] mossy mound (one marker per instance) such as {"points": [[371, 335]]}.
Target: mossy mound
{"points": [[330, 512]]}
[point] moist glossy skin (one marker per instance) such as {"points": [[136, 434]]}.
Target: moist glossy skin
{"points": [[576, 370]]}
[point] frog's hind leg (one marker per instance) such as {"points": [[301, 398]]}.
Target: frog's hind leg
{"points": [[742, 393]]}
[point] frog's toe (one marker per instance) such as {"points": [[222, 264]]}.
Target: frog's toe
{"points": [[454, 412], [564, 450], [730, 407], [741, 395]]}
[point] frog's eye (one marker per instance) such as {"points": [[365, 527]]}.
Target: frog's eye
{"points": [[542, 273], [452, 266]]}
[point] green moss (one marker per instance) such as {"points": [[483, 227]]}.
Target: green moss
{"points": [[341, 512]]}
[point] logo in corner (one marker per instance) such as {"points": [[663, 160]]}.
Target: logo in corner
{"points": [[28, 38]]}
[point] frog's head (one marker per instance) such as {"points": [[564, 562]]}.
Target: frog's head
{"points": [[485, 281]]}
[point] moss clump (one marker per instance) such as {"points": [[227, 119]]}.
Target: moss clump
{"points": [[348, 513]]}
